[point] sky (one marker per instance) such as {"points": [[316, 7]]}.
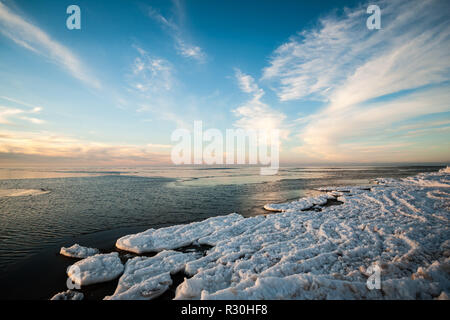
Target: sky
{"points": [[113, 92]]}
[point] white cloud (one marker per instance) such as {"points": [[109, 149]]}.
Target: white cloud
{"points": [[190, 51], [343, 62], [36, 40], [150, 73], [348, 67], [162, 110], [255, 114], [182, 45], [336, 136], [9, 114], [35, 108], [247, 83]]}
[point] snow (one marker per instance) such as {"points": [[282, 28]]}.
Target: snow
{"points": [[174, 237], [96, 269], [302, 204], [68, 295], [77, 251], [147, 278], [307, 250], [22, 192], [445, 170]]}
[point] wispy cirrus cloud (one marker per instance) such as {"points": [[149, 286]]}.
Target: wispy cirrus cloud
{"points": [[151, 80], [406, 64], [336, 136], [8, 114], [343, 62], [164, 110], [183, 46], [150, 74], [32, 38]]}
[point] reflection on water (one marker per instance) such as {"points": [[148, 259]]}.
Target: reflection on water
{"points": [[90, 200]]}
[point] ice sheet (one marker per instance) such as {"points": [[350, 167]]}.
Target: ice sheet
{"points": [[400, 227]]}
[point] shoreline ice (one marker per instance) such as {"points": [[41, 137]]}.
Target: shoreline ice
{"points": [[68, 295], [307, 250], [77, 251]]}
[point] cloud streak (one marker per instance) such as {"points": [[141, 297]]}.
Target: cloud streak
{"points": [[8, 114], [182, 45], [36, 40]]}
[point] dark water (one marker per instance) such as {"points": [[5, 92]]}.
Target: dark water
{"points": [[86, 207]]}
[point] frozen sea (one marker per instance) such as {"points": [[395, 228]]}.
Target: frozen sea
{"points": [[41, 209]]}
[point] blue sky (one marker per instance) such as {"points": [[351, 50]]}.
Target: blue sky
{"points": [[114, 91]]}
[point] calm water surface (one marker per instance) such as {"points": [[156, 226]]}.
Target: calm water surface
{"points": [[88, 201]]}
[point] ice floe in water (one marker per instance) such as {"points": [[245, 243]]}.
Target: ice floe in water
{"points": [[68, 295], [398, 227], [22, 192], [77, 251], [147, 278], [96, 269]]}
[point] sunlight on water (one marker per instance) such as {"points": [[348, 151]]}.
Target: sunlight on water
{"points": [[73, 202]]}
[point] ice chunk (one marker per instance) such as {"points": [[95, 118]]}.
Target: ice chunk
{"points": [[147, 289], [77, 251], [445, 170], [68, 295], [174, 237], [96, 269], [147, 278]]}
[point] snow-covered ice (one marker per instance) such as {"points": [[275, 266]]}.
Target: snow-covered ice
{"points": [[77, 251], [400, 226], [68, 295], [147, 278], [96, 269], [174, 237], [301, 204]]}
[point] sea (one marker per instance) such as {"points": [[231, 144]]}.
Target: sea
{"points": [[95, 206]]}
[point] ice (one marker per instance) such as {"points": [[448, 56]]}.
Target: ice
{"points": [[302, 204], [77, 251], [174, 237], [68, 295], [307, 250], [22, 192], [96, 269], [147, 278], [400, 225]]}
